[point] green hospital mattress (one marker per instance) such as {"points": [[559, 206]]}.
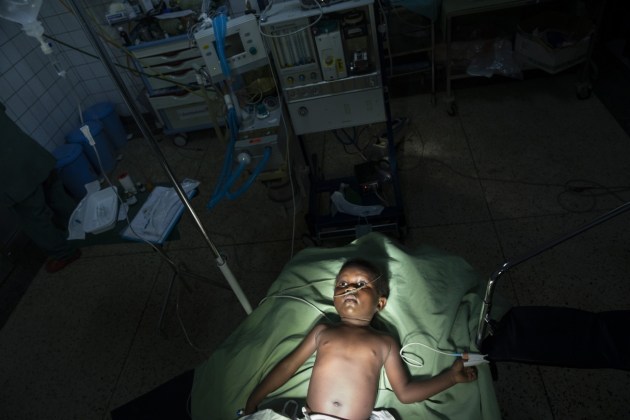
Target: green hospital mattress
{"points": [[434, 300]]}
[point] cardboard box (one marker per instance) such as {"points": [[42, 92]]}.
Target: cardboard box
{"points": [[553, 41]]}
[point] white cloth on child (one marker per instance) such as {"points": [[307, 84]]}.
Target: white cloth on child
{"points": [[272, 415], [376, 415]]}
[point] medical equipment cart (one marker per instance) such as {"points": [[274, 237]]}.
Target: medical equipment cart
{"points": [[409, 46], [168, 68], [328, 62], [495, 13]]}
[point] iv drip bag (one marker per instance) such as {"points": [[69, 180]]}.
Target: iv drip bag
{"points": [[25, 12]]}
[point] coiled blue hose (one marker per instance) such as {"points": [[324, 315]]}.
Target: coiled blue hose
{"points": [[220, 189], [228, 177], [257, 170]]}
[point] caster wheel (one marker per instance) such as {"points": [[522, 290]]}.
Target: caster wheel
{"points": [[451, 109], [584, 91], [180, 141]]}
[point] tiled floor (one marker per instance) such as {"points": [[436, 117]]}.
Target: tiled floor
{"points": [[486, 184]]}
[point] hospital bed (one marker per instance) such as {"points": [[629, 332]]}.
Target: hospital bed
{"points": [[438, 306], [433, 307]]}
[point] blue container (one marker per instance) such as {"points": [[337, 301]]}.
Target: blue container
{"points": [[74, 169], [104, 112], [103, 147]]}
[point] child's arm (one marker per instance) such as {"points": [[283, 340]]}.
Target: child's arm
{"points": [[409, 391], [283, 371]]}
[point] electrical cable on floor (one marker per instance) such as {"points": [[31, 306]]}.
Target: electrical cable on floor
{"points": [[207, 351]]}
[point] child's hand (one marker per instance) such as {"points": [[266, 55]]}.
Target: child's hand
{"points": [[461, 373]]}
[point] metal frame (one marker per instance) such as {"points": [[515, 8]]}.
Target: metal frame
{"points": [[148, 135], [456, 8], [483, 326]]}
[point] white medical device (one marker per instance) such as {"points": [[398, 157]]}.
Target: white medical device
{"points": [[244, 48], [328, 64], [25, 13], [294, 51], [330, 49], [235, 57]]}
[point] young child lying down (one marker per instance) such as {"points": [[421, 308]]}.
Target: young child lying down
{"points": [[351, 354]]}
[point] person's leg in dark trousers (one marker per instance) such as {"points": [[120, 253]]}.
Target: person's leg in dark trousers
{"points": [[59, 201], [37, 223]]}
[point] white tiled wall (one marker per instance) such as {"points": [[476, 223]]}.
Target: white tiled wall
{"points": [[45, 105]]}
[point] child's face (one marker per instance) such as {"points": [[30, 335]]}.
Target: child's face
{"points": [[356, 295]]}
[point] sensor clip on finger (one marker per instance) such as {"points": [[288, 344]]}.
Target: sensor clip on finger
{"points": [[474, 359]]}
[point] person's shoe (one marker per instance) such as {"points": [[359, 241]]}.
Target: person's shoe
{"points": [[52, 266]]}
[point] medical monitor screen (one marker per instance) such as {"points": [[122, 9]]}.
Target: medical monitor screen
{"points": [[233, 45]]}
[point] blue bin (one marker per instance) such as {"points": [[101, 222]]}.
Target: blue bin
{"points": [[74, 169], [102, 146], [104, 112]]}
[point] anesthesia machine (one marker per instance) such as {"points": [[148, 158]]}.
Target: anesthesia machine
{"points": [[327, 63], [236, 64]]}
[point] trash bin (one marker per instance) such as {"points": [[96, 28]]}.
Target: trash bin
{"points": [[74, 169], [105, 113], [103, 147]]}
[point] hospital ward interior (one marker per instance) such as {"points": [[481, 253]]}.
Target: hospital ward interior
{"points": [[224, 159]]}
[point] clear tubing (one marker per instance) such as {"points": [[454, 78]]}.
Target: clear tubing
{"points": [[356, 289], [53, 58]]}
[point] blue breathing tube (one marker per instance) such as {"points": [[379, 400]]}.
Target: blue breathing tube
{"points": [[228, 177], [219, 23], [257, 170], [220, 189]]}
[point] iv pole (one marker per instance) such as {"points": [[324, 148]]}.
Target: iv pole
{"points": [[148, 135]]}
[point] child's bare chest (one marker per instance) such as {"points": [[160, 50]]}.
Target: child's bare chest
{"points": [[353, 344]]}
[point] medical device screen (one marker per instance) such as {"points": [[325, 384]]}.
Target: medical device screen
{"points": [[233, 45]]}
